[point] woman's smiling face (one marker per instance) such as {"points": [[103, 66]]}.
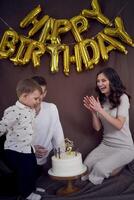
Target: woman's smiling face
{"points": [[103, 84]]}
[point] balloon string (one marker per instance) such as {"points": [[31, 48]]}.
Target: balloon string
{"points": [[122, 8], [119, 12], [5, 23]]}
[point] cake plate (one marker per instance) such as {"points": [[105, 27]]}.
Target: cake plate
{"points": [[70, 187]]}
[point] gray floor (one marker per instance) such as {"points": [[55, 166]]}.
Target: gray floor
{"points": [[120, 187]]}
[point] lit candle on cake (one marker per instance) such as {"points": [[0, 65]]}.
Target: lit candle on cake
{"points": [[59, 152], [76, 152], [55, 152]]}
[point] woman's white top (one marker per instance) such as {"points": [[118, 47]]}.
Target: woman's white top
{"points": [[112, 136]]}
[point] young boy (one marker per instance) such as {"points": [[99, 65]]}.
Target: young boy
{"points": [[17, 123]]}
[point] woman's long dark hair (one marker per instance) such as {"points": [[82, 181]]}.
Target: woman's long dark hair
{"points": [[116, 87]]}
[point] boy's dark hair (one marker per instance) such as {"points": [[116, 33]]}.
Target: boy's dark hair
{"points": [[27, 86], [40, 80]]}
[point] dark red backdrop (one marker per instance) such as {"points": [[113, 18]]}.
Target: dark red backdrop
{"points": [[67, 92]]}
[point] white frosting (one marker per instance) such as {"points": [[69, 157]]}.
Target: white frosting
{"points": [[67, 165]]}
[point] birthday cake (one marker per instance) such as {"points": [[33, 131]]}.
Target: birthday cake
{"points": [[68, 163]]}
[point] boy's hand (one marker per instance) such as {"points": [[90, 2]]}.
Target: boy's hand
{"points": [[40, 151]]}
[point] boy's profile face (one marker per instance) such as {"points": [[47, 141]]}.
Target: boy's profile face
{"points": [[31, 99]]}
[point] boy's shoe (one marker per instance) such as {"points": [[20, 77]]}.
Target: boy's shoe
{"points": [[34, 196], [40, 190]]}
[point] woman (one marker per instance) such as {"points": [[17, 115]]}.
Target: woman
{"points": [[110, 111]]}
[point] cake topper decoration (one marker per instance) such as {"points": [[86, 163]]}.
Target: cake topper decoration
{"points": [[68, 145]]}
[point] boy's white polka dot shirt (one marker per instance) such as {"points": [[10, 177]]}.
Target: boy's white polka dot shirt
{"points": [[17, 123]]}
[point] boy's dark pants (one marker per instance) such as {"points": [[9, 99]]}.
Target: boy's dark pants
{"points": [[24, 166]]}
